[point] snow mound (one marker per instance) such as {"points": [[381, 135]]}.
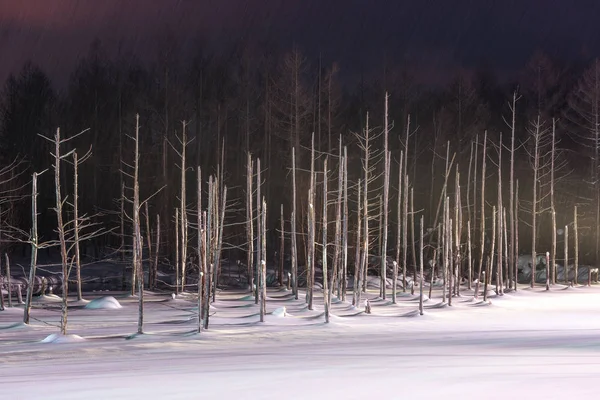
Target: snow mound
{"points": [[56, 338], [280, 312], [103, 303]]}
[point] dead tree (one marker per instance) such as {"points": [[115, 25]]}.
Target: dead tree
{"points": [[258, 231], [482, 211], [566, 267], [61, 226], [386, 195], [512, 126], [337, 248], [250, 223], [398, 231], [421, 269], [34, 249], [281, 247], [183, 224], [311, 249], [345, 228], [357, 247], [263, 261], [293, 223], [499, 284], [576, 254], [324, 229]]}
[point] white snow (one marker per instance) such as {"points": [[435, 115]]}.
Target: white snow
{"points": [[103, 303], [529, 344]]}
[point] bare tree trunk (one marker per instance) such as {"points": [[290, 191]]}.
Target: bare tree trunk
{"points": [[413, 239], [177, 253], [386, 195], [516, 261], [491, 257], [324, 228], [469, 255], [263, 264], [219, 242], [203, 298], [487, 272], [552, 205], [566, 267], [357, 257], [536, 163], [156, 253], [61, 234], [365, 210], [421, 280], [250, 224], [122, 221], [513, 255], [398, 231], [404, 229], [281, 248], [450, 260], [310, 273], [337, 268], [258, 230], [293, 223], [76, 226], [445, 249], [576, 233], [457, 234], [499, 284], [137, 240], [311, 247], [34, 252], [8, 280], [547, 270], [506, 257], [482, 227], [149, 244], [345, 228], [183, 207]]}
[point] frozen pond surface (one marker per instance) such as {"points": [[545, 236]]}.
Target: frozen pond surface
{"points": [[529, 344]]}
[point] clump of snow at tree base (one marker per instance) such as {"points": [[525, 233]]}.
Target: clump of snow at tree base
{"points": [[500, 350]]}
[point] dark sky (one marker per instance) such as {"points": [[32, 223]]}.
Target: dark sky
{"points": [[433, 37]]}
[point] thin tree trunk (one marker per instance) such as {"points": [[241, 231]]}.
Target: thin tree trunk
{"points": [[177, 253], [413, 239], [576, 233], [76, 225], [156, 253], [386, 195], [516, 261], [281, 248], [337, 268], [293, 223], [482, 213], [311, 246], [8, 280], [137, 245], [61, 235], [513, 255], [219, 242], [491, 257], [258, 230], [536, 163], [404, 228], [325, 275], [263, 265], [149, 244], [34, 252], [357, 257], [250, 224], [566, 267], [421, 281], [345, 228], [469, 255], [499, 284], [398, 231]]}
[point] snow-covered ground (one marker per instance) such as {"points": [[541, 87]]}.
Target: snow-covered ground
{"points": [[529, 344]]}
